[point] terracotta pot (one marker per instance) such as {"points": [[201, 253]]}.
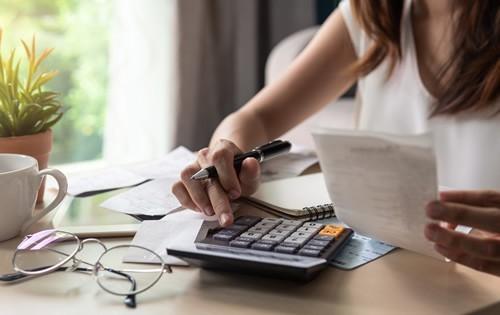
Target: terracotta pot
{"points": [[37, 145]]}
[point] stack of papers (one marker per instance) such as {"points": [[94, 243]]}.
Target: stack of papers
{"points": [[168, 166]]}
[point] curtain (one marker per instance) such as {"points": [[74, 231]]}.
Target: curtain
{"points": [[222, 49], [140, 114]]}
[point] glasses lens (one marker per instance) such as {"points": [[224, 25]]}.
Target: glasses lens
{"points": [[44, 250], [117, 275]]}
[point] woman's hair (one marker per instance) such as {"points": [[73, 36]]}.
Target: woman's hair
{"points": [[474, 67]]}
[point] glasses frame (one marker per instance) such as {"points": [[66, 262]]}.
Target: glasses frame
{"points": [[95, 266]]}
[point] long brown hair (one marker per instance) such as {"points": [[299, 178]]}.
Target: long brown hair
{"points": [[474, 67]]}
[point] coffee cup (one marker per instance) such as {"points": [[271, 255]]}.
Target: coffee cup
{"points": [[20, 180]]}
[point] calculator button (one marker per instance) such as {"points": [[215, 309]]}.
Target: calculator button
{"points": [[313, 225], [302, 234], [244, 239], [272, 237], [272, 220], [313, 247], [306, 229], [318, 243], [247, 220], [295, 241], [332, 230], [263, 246], [240, 243], [278, 231], [268, 225], [252, 235], [309, 252], [324, 238], [286, 249], [260, 229], [287, 227], [226, 235], [291, 222], [237, 227]]}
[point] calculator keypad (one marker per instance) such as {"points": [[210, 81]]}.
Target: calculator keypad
{"points": [[277, 235]]}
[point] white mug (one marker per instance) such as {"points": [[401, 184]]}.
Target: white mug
{"points": [[20, 180]]}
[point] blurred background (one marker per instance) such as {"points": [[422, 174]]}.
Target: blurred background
{"points": [[139, 77]]}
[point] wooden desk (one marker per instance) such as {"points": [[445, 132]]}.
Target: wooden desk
{"points": [[399, 283]]}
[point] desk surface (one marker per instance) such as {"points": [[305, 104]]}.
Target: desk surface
{"points": [[399, 283]]}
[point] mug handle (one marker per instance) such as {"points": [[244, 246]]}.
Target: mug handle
{"points": [[63, 188]]}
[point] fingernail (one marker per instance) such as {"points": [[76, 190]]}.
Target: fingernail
{"points": [[208, 211], [435, 209], [224, 219], [234, 194]]}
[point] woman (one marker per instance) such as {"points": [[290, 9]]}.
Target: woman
{"points": [[421, 65]]}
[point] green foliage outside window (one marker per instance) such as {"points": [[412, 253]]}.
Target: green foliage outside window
{"points": [[79, 33]]}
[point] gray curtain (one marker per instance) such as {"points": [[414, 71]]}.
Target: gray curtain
{"points": [[223, 47]]}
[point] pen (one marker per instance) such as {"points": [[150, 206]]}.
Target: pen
{"points": [[261, 154]]}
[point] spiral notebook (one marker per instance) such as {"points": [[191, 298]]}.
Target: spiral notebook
{"points": [[302, 197]]}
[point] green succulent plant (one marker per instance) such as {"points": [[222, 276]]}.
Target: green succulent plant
{"points": [[26, 108]]}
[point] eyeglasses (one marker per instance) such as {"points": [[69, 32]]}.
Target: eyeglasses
{"points": [[52, 250]]}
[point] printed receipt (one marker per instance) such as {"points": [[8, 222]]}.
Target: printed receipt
{"points": [[380, 183]]}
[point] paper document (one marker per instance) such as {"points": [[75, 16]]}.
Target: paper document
{"points": [[170, 165], [130, 175], [100, 180], [380, 183], [288, 165], [151, 198], [158, 235]]}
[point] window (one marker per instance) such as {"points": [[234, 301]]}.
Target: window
{"points": [[116, 64], [79, 33]]}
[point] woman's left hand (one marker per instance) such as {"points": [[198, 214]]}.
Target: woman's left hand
{"points": [[477, 209]]}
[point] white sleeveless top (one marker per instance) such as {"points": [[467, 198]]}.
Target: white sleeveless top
{"points": [[467, 145]]}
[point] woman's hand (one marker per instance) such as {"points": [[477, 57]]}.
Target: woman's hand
{"points": [[478, 209], [213, 196]]}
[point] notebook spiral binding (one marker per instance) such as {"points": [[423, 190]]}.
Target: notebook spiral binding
{"points": [[320, 212]]}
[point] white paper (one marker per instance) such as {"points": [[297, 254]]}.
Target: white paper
{"points": [[158, 235], [105, 179], [288, 165], [152, 198], [168, 166], [380, 184]]}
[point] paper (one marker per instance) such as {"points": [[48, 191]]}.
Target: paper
{"points": [[288, 165], [158, 235], [152, 198], [168, 166], [380, 184], [359, 250], [105, 179]]}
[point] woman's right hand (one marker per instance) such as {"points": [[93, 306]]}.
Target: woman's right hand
{"points": [[213, 196]]}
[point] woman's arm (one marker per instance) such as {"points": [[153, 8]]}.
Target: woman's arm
{"points": [[317, 76]]}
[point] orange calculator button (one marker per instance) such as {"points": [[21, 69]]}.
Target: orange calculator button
{"points": [[332, 230]]}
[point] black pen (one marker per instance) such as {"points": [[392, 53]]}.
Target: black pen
{"points": [[261, 154]]}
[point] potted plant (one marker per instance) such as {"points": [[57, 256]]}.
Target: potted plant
{"points": [[27, 109]]}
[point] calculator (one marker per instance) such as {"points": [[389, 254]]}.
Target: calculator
{"points": [[267, 246]]}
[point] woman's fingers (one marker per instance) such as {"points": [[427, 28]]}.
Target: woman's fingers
{"points": [[478, 217], [485, 198], [480, 247], [220, 202], [196, 189], [181, 193], [249, 176], [484, 265], [222, 157]]}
